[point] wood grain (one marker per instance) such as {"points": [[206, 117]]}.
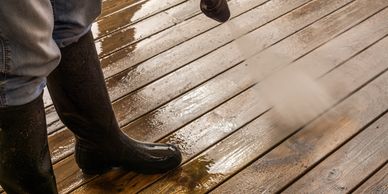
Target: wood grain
{"points": [[298, 153], [161, 42], [148, 71], [350, 165], [239, 150], [151, 125], [377, 184], [117, 34], [143, 99], [163, 90], [347, 45]]}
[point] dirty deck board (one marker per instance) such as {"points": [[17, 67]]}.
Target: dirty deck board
{"points": [[378, 183], [350, 165], [169, 83], [126, 180], [318, 42], [275, 38]]}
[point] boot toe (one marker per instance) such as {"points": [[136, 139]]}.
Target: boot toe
{"points": [[159, 158]]}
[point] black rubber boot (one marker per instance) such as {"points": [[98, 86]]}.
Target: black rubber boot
{"points": [[79, 93], [25, 165], [216, 9]]}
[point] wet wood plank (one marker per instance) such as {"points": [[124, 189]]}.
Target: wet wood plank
{"points": [[300, 152], [342, 171], [181, 55], [347, 45], [221, 117], [143, 100], [173, 85], [150, 70], [117, 36], [150, 47], [59, 149], [111, 7], [131, 14], [221, 161], [378, 183]]}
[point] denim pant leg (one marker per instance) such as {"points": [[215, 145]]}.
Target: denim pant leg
{"points": [[73, 19], [27, 51]]}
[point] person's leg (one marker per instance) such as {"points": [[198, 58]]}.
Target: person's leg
{"points": [[79, 94], [27, 55]]}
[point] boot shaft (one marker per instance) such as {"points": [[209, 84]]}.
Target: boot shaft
{"points": [[25, 163]]}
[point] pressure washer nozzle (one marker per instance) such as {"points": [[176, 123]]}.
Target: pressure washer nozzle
{"points": [[216, 9]]}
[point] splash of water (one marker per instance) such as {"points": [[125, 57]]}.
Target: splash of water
{"points": [[294, 95]]}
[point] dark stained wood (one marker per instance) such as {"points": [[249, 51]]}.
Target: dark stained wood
{"points": [[350, 165], [298, 153], [378, 183]]}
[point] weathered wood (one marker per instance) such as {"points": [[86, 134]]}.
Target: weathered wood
{"points": [[110, 7], [237, 159], [227, 157], [290, 159], [150, 47], [132, 79], [377, 184], [221, 117], [158, 66], [131, 14], [347, 45], [137, 131], [144, 100], [224, 86], [173, 85], [350, 165], [150, 70], [121, 35]]}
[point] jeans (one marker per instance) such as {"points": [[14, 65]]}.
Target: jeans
{"points": [[31, 33]]}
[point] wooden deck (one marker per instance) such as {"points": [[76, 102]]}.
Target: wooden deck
{"points": [[175, 76]]}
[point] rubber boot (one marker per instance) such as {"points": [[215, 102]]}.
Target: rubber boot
{"points": [[216, 9], [79, 94], [25, 165]]}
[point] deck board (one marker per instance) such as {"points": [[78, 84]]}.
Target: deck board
{"points": [[166, 62], [169, 82], [378, 183], [291, 28], [134, 184], [350, 165], [176, 76], [300, 152]]}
